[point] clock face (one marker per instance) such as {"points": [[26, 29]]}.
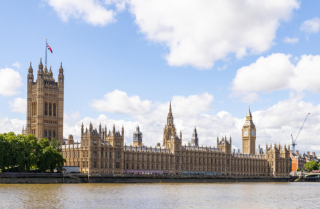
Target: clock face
{"points": [[245, 133], [253, 133]]}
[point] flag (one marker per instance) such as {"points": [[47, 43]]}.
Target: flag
{"points": [[49, 48]]}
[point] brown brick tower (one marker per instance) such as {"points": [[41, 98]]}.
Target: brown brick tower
{"points": [[45, 99]]}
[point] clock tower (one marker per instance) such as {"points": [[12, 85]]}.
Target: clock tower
{"points": [[249, 136]]}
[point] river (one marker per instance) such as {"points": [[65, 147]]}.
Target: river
{"points": [[161, 195]]}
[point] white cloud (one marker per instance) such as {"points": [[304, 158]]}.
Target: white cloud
{"points": [[311, 26], [10, 82], [196, 32], [276, 72], [265, 75], [16, 64], [277, 123], [290, 40], [18, 105], [274, 125], [119, 102], [91, 11], [11, 125]]}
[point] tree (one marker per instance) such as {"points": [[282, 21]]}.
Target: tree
{"points": [[312, 165], [50, 159], [55, 144]]}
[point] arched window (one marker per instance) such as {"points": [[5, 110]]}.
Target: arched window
{"points": [[50, 109], [49, 135], [35, 108], [45, 133], [53, 134], [54, 109], [46, 108], [32, 108]]}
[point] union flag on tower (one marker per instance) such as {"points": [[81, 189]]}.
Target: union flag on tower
{"points": [[49, 48]]}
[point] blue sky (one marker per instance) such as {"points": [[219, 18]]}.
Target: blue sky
{"points": [[143, 54]]}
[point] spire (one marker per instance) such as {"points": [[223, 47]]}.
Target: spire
{"points": [[61, 69], [45, 69], [170, 111], [30, 68], [249, 113], [40, 65]]}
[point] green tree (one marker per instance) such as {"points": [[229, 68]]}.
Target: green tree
{"points": [[309, 166], [50, 159], [55, 144]]}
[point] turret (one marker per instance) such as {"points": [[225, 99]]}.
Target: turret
{"points": [[122, 131], [60, 76], [30, 73]]}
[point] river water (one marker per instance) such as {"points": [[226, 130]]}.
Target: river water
{"points": [[161, 195]]}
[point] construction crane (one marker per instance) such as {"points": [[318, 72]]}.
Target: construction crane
{"points": [[293, 143]]}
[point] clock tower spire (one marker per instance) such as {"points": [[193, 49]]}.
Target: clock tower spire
{"points": [[249, 135]]}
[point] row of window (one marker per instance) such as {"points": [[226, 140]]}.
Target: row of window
{"points": [[49, 134], [50, 109]]}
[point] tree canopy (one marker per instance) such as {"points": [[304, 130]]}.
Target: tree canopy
{"points": [[25, 152], [312, 165]]}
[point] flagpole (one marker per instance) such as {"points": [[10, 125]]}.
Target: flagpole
{"points": [[46, 52]]}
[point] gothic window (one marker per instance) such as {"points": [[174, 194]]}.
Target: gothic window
{"points": [[94, 164], [132, 157], [50, 109], [117, 165], [45, 133], [127, 166], [110, 155], [138, 166], [118, 155], [53, 134], [49, 134], [132, 167], [46, 108], [170, 120], [54, 109]]}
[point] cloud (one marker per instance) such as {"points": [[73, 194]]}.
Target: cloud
{"points": [[198, 33], [119, 102], [91, 11], [267, 74], [16, 64], [195, 32], [11, 125], [311, 26], [274, 124], [10, 82], [290, 40], [18, 105], [276, 72]]}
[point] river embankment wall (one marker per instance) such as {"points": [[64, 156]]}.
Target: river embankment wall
{"points": [[50, 178]]}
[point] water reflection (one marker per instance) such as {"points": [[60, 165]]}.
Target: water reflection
{"points": [[160, 195]]}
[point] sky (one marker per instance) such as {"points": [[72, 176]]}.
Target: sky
{"points": [[125, 60]]}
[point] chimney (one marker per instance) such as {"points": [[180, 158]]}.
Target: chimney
{"points": [[297, 152], [313, 154]]}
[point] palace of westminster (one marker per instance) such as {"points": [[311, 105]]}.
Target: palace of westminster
{"points": [[103, 151]]}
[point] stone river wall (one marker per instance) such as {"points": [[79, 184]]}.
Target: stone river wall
{"points": [[49, 178]]}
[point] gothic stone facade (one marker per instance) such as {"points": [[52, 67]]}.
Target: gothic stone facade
{"points": [[105, 153], [45, 104]]}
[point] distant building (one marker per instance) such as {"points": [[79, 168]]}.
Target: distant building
{"points": [[299, 160], [111, 156], [194, 139]]}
